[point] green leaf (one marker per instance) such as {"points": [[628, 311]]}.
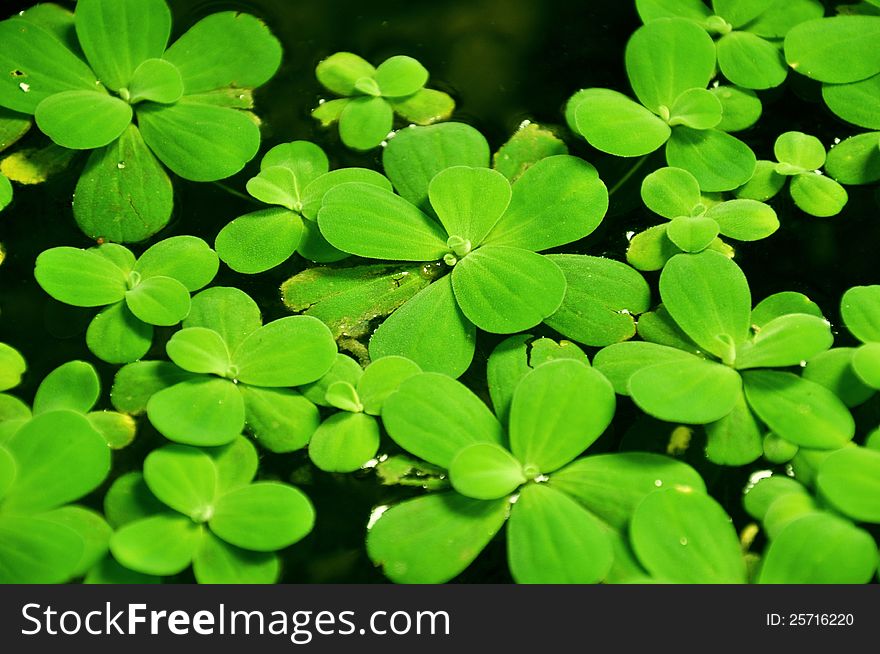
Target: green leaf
{"points": [[860, 309], [344, 369], [708, 297], [818, 195], [156, 80], [601, 298], [613, 123], [365, 122], [760, 496], [697, 108], [263, 517], [382, 378], [416, 154], [693, 390], [137, 382], [217, 562], [304, 159], [528, 145], [612, 485], [108, 571], [228, 311], [658, 327], [553, 539], [200, 350], [313, 194], [202, 411], [258, 241], [692, 234], [60, 458], [184, 478], [434, 417], [650, 10], [748, 60], [73, 386], [340, 71], [159, 300], [686, 537], [118, 36], [558, 410], [47, 67], [286, 352], [563, 195], [117, 429], [92, 529], [12, 367], [800, 151], [187, 259], [667, 57], [276, 185], [430, 329], [719, 161], [651, 249], [764, 184], [857, 103], [236, 464], [7, 471], [799, 410], [226, 49], [780, 17], [485, 471], [740, 12], [83, 120], [424, 107], [785, 341], [744, 220], [116, 336], [737, 438], [819, 548], [359, 218], [671, 192], [129, 499], [778, 450], [505, 289], [433, 538], [160, 545], [344, 442], [856, 160], [199, 142], [866, 364], [850, 480], [618, 362], [836, 50], [740, 108], [124, 193], [82, 278], [833, 369], [34, 550], [328, 111], [5, 192], [400, 76], [469, 201], [781, 304], [281, 420]]}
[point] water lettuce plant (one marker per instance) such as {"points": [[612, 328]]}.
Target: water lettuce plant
{"points": [[372, 95], [138, 294], [117, 88]]}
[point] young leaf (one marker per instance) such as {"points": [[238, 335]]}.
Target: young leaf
{"points": [[684, 536], [799, 150], [73, 386], [782, 304], [785, 341], [696, 108], [199, 350], [313, 193], [433, 538], [159, 300], [157, 80], [382, 378], [260, 240], [424, 107], [558, 410], [485, 471], [692, 234], [83, 120], [264, 517], [400, 76], [340, 71], [527, 146], [117, 429], [365, 122], [228, 311], [799, 410], [553, 539], [469, 201], [344, 442], [671, 192], [433, 417]]}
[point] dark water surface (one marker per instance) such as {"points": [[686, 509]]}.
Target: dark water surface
{"points": [[504, 61]]}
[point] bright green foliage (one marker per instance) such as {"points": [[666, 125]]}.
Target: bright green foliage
{"points": [[347, 440], [206, 510], [12, 367], [856, 160], [561, 512], [117, 88], [669, 62], [486, 234], [747, 33], [241, 372], [799, 157], [372, 95], [136, 293], [294, 177], [708, 364], [849, 480], [695, 221], [816, 49], [528, 145]]}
